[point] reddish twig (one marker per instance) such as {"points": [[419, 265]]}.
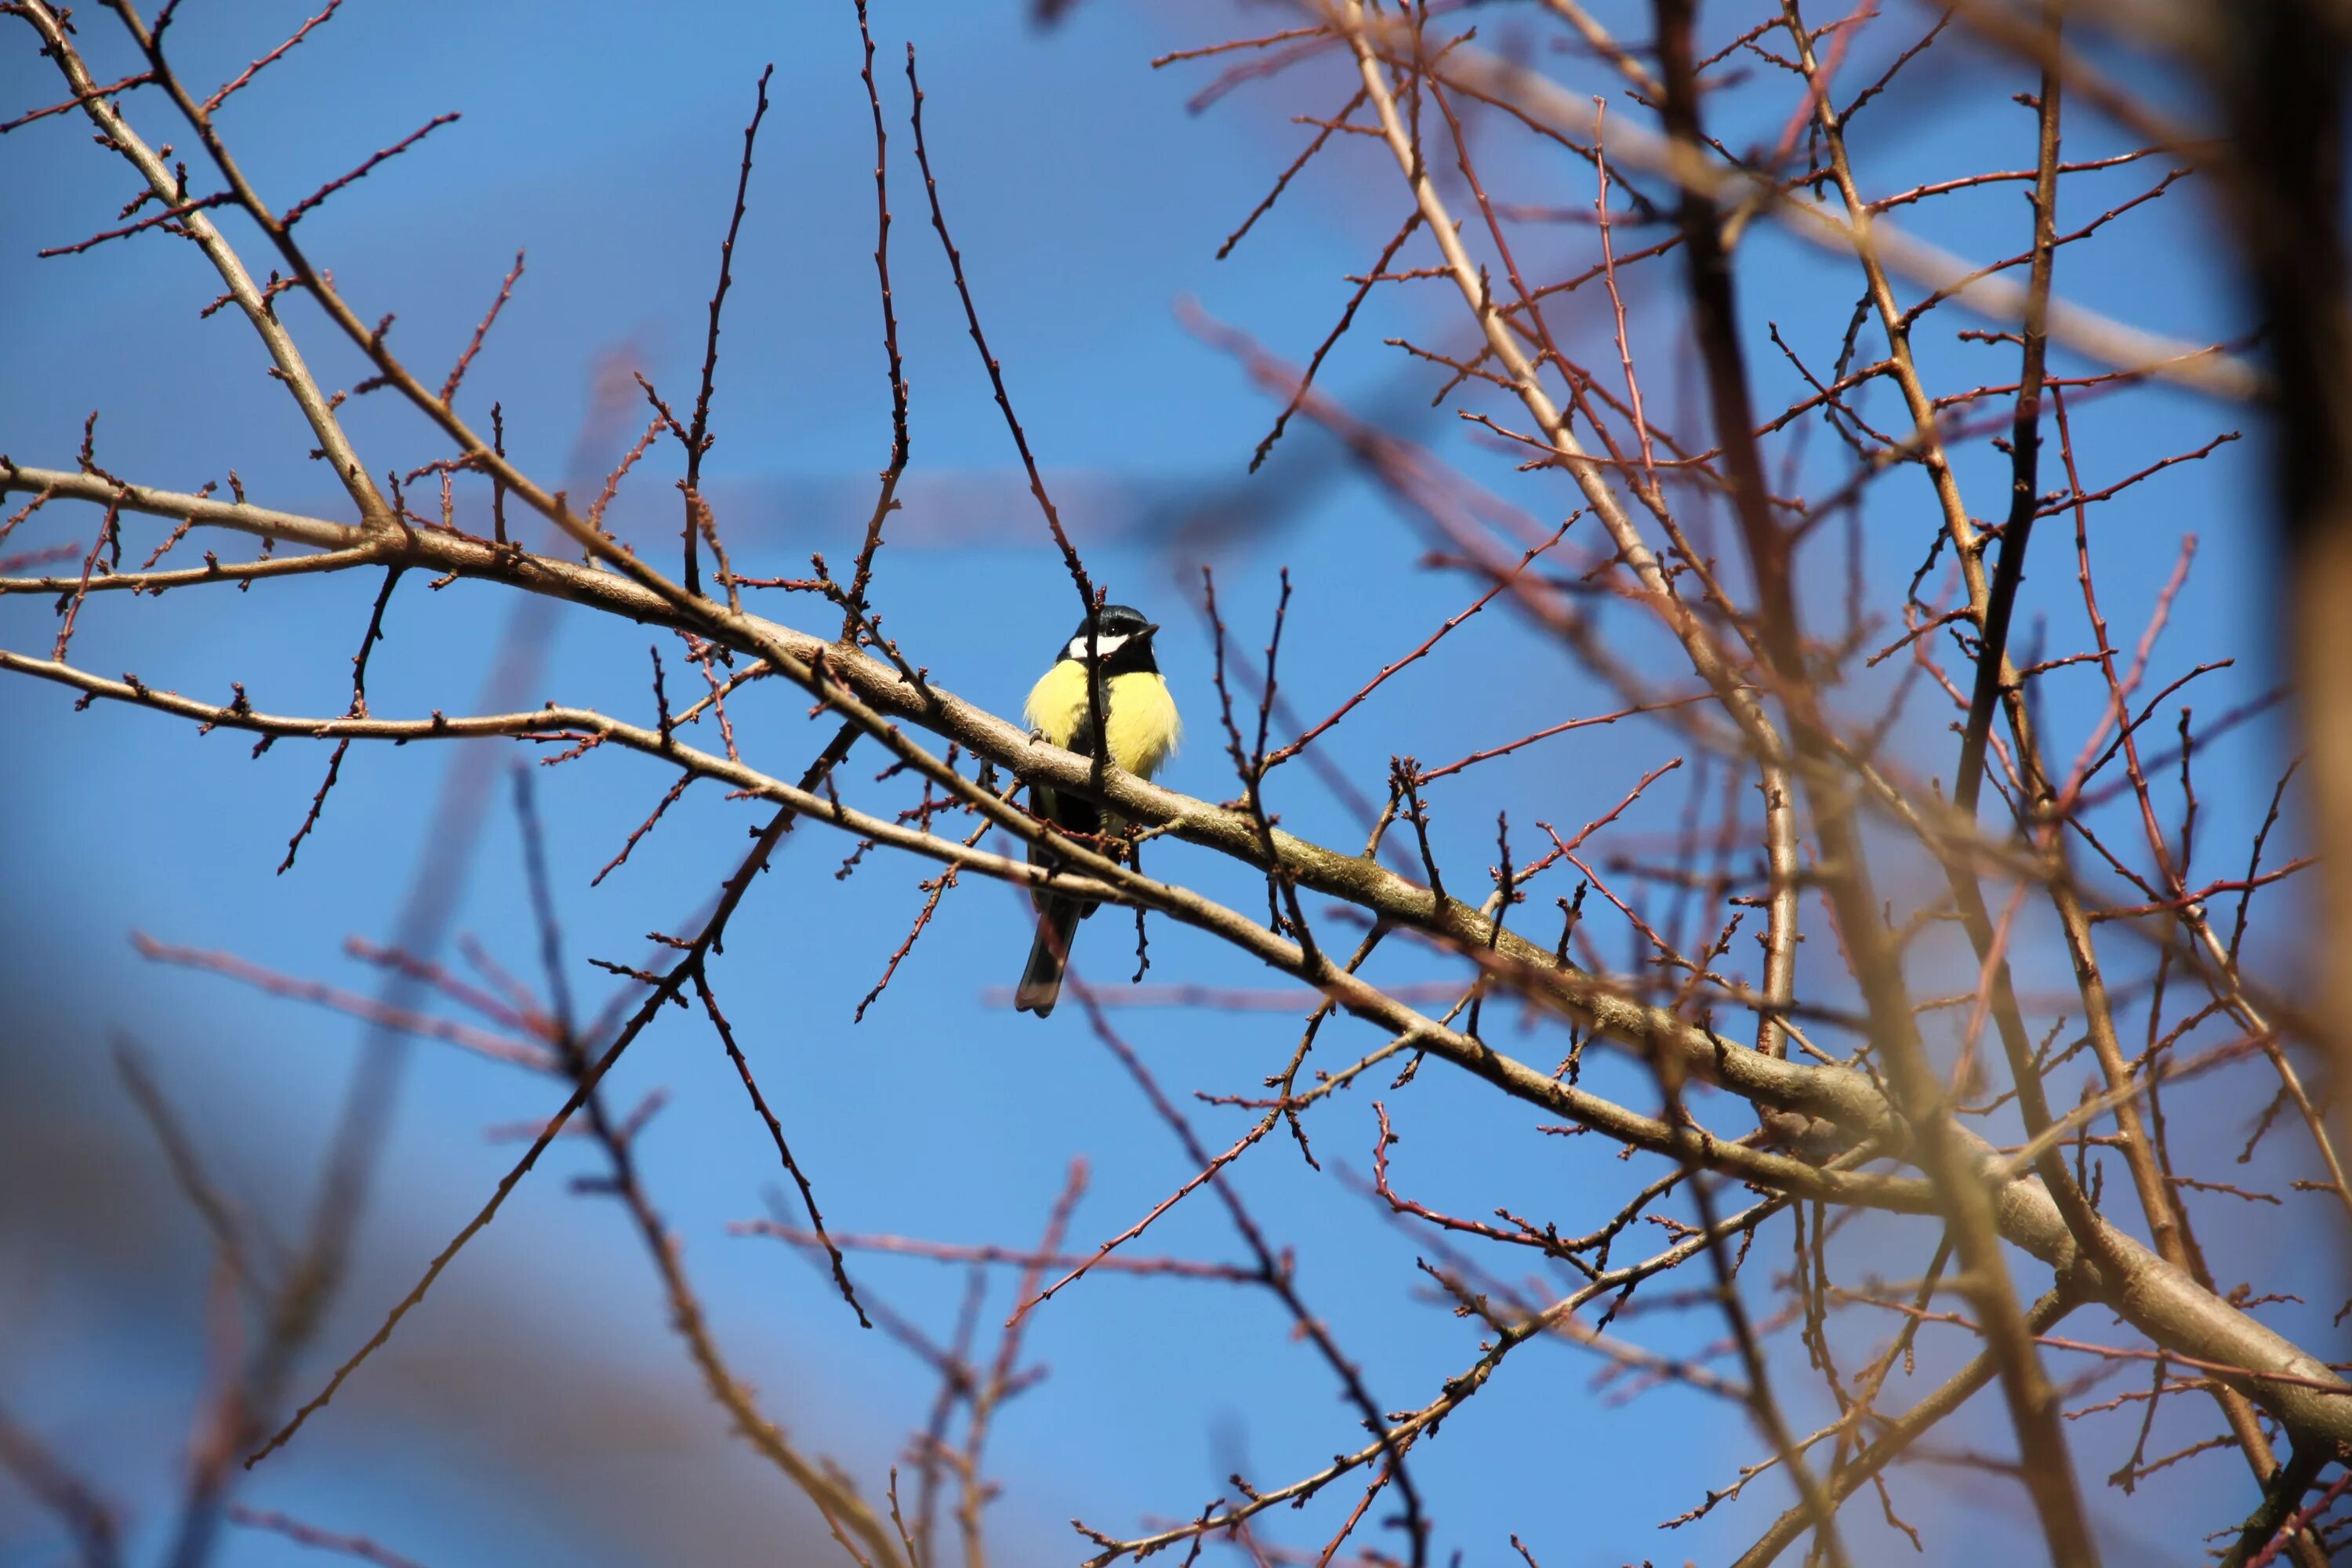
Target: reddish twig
{"points": [[295, 213], [1077, 571], [861, 573], [698, 436], [1433, 774], [205, 109], [1004, 1257], [1283, 754], [358, 1546], [482, 330]]}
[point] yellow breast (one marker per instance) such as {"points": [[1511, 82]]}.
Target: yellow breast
{"points": [[1057, 703], [1142, 721], [1141, 716]]}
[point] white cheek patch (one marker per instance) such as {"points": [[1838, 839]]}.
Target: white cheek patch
{"points": [[1104, 646]]}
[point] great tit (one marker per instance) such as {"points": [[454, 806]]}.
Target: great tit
{"points": [[1140, 720]]}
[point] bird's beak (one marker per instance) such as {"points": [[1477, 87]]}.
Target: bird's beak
{"points": [[1148, 628]]}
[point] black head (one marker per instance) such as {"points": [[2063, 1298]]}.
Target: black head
{"points": [[1122, 640]]}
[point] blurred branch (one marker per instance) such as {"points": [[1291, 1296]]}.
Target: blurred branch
{"points": [[2202, 367], [85, 1516]]}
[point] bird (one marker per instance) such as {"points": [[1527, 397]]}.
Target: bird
{"points": [[1139, 717]]}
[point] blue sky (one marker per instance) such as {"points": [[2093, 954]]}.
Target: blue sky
{"points": [[1086, 202]]}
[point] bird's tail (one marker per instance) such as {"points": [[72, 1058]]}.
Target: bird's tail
{"points": [[1041, 983]]}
